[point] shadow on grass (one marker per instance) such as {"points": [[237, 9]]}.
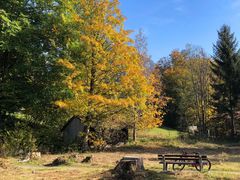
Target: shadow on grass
{"points": [[144, 149], [233, 159], [149, 175], [172, 150], [159, 175], [190, 139]]}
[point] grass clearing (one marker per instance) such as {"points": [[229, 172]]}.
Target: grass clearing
{"points": [[164, 133], [225, 160]]}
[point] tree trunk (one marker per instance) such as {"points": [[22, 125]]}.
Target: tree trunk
{"points": [[203, 128], [232, 124], [85, 146], [134, 132]]}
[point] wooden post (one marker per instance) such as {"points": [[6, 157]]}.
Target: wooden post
{"points": [[200, 162], [164, 164]]}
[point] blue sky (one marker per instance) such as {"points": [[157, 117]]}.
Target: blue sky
{"points": [[171, 24]]}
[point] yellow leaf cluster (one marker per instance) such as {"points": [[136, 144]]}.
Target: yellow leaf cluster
{"points": [[66, 64], [106, 74], [61, 104]]}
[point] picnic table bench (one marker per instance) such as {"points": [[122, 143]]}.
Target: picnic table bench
{"points": [[178, 161]]}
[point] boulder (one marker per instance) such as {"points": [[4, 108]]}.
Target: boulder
{"points": [[35, 155]]}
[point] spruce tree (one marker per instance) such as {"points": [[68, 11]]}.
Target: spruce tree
{"points": [[225, 66]]}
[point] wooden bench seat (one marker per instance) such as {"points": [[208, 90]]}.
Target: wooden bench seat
{"points": [[180, 155]]}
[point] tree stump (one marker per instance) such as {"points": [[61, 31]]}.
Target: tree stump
{"points": [[129, 168], [88, 159], [58, 161]]}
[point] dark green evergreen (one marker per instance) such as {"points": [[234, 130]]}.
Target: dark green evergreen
{"points": [[226, 66]]}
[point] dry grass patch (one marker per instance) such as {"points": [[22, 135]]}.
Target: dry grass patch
{"points": [[225, 160]]}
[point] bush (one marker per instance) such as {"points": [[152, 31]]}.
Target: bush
{"points": [[99, 144], [96, 142], [17, 142], [49, 140]]}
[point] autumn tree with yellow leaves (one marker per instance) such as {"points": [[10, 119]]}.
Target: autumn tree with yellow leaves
{"points": [[102, 69], [187, 84]]}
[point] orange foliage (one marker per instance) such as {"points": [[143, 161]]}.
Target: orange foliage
{"points": [[106, 77]]}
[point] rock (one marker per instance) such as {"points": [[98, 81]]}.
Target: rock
{"points": [[20, 152], [107, 147], [29, 156], [3, 165], [26, 159], [120, 144], [35, 155]]}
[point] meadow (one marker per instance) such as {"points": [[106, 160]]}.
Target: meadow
{"points": [[225, 159]]}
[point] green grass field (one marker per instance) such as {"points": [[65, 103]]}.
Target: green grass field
{"points": [[225, 160]]}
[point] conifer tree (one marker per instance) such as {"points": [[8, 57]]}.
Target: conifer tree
{"points": [[226, 67]]}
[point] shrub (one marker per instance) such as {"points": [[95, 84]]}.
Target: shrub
{"points": [[17, 142]]}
